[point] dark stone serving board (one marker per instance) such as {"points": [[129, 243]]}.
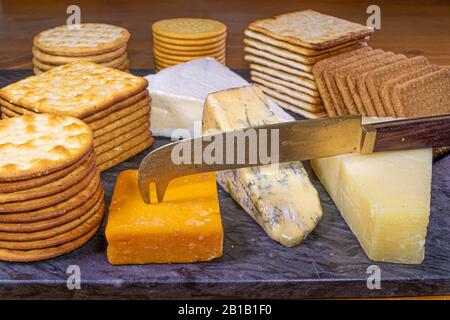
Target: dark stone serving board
{"points": [[329, 263]]}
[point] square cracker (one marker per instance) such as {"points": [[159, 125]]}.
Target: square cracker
{"points": [[387, 87], [287, 54], [328, 74], [428, 95], [273, 57], [297, 80], [278, 66], [377, 77], [310, 29], [357, 85], [77, 89], [343, 95], [318, 70], [288, 91], [287, 84], [296, 110]]}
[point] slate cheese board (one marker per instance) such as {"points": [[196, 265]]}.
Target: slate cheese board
{"points": [[328, 264]]}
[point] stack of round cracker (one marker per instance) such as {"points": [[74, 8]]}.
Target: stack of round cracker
{"points": [[114, 104], [283, 50], [183, 39], [95, 42], [51, 197]]}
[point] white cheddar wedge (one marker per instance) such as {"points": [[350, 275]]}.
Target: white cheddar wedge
{"points": [[384, 198], [281, 198], [178, 93]]}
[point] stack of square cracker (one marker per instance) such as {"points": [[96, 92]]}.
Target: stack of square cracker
{"points": [[51, 196], [180, 40], [378, 83], [95, 42], [282, 51], [114, 104]]}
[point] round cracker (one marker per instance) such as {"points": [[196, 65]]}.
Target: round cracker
{"points": [[53, 187], [54, 211], [38, 144], [89, 39], [189, 28], [54, 222], [39, 203], [175, 47], [47, 253], [172, 57], [53, 231], [189, 42], [115, 63], [59, 60], [190, 53], [7, 187], [75, 233], [169, 62]]}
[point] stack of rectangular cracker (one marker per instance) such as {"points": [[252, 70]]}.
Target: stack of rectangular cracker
{"points": [[283, 50], [378, 83], [114, 104]]}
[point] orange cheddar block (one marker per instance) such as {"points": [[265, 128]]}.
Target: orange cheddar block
{"points": [[185, 227]]}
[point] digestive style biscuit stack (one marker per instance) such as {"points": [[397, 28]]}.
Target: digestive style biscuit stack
{"points": [[95, 42], [51, 197], [383, 84], [282, 51], [114, 104], [183, 39]]}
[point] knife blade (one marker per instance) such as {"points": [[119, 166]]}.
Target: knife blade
{"points": [[285, 142]]}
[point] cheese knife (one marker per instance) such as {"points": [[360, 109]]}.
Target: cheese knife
{"points": [[296, 141]]}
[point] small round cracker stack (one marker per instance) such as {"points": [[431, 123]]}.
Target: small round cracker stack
{"points": [[283, 50], [95, 42], [51, 197], [114, 104], [180, 40]]}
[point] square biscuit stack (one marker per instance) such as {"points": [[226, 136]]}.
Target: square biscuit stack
{"points": [[51, 196], [283, 50], [115, 105], [382, 84], [95, 42], [180, 40]]}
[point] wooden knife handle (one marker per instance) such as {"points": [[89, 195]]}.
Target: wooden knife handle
{"points": [[410, 134]]}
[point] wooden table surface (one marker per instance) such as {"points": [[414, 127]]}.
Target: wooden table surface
{"points": [[409, 27]]}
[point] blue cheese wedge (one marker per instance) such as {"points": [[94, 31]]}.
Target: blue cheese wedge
{"points": [[281, 198], [178, 93]]}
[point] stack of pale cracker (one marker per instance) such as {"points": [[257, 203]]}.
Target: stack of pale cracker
{"points": [[282, 51], [115, 105], [180, 40], [51, 196], [378, 83], [95, 42]]}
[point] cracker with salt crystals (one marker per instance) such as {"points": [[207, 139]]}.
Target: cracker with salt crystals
{"points": [[114, 63], [34, 145], [428, 95], [311, 29], [88, 39], [77, 89]]}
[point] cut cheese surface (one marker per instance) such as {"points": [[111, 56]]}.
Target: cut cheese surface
{"points": [[186, 227], [384, 198], [281, 198]]}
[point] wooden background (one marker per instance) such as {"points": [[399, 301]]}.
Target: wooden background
{"points": [[410, 27]]}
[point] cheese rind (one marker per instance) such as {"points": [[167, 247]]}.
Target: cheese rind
{"points": [[186, 227], [281, 198], [384, 198], [178, 93]]}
